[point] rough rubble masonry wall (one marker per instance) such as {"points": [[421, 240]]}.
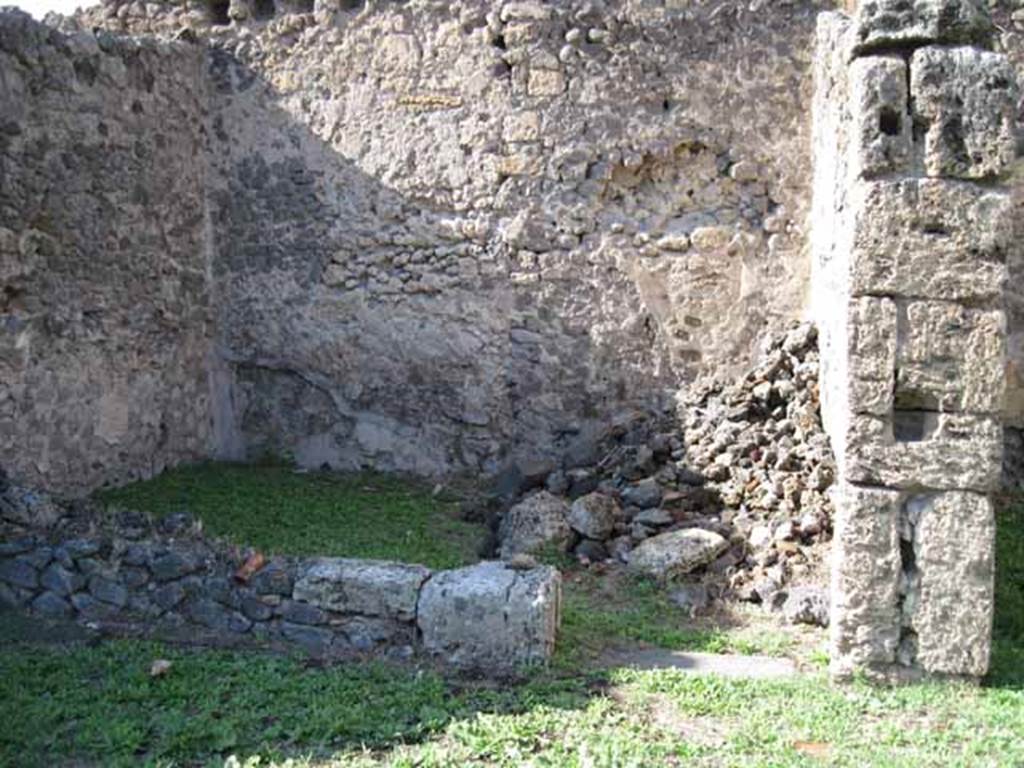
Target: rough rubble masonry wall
{"points": [[914, 135], [451, 235], [104, 327], [166, 580]]}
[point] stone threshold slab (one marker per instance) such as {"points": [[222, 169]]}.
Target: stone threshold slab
{"points": [[725, 665]]}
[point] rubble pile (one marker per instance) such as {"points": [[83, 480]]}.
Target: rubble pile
{"points": [[733, 496]]}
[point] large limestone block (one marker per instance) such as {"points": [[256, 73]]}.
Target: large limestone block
{"points": [[865, 619], [872, 330], [676, 553], [367, 587], [930, 238], [882, 128], [490, 616], [967, 99], [887, 24], [534, 523], [941, 451], [951, 608], [951, 358]]}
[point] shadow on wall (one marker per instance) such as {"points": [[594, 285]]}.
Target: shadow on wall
{"points": [[364, 327], [401, 310], [430, 254]]}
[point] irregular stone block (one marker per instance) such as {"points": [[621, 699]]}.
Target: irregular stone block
{"points": [[223, 591], [136, 554], [865, 618], [79, 548], [880, 107], [886, 24], [368, 587], [60, 580], [273, 579], [489, 616], [872, 330], [951, 614], [644, 494], [108, 591], [134, 578], [38, 558], [807, 605], [535, 522], [91, 609], [13, 597], [951, 358], [255, 609], [19, 573], [966, 100], [301, 613], [215, 616], [676, 553], [313, 640], [16, 547], [930, 238], [92, 567], [365, 634], [957, 451], [168, 596], [173, 565], [51, 605], [593, 515]]}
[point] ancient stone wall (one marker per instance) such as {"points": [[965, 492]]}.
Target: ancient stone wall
{"points": [[914, 140], [451, 235], [456, 236], [130, 575], [104, 324]]}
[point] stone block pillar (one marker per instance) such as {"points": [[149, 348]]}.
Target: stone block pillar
{"points": [[914, 135]]}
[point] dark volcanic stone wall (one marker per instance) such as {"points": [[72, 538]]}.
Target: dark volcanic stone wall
{"points": [[104, 311]]}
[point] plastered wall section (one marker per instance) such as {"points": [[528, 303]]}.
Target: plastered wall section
{"points": [[104, 310], [914, 141]]}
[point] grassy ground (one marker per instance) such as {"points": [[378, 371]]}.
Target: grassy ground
{"points": [[281, 511], [98, 705], [614, 609]]}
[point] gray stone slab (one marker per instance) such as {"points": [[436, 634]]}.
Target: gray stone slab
{"points": [[490, 616], [720, 665], [889, 24], [930, 239], [865, 616], [367, 587], [951, 614], [966, 102]]}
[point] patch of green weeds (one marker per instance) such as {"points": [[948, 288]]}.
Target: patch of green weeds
{"points": [[280, 510]]}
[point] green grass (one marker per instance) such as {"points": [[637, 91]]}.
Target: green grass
{"points": [[281, 511], [602, 611], [1008, 628], [98, 705]]}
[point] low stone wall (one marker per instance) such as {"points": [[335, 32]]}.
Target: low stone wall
{"points": [[167, 582]]}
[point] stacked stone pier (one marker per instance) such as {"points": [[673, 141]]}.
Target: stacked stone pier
{"points": [[914, 136]]}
